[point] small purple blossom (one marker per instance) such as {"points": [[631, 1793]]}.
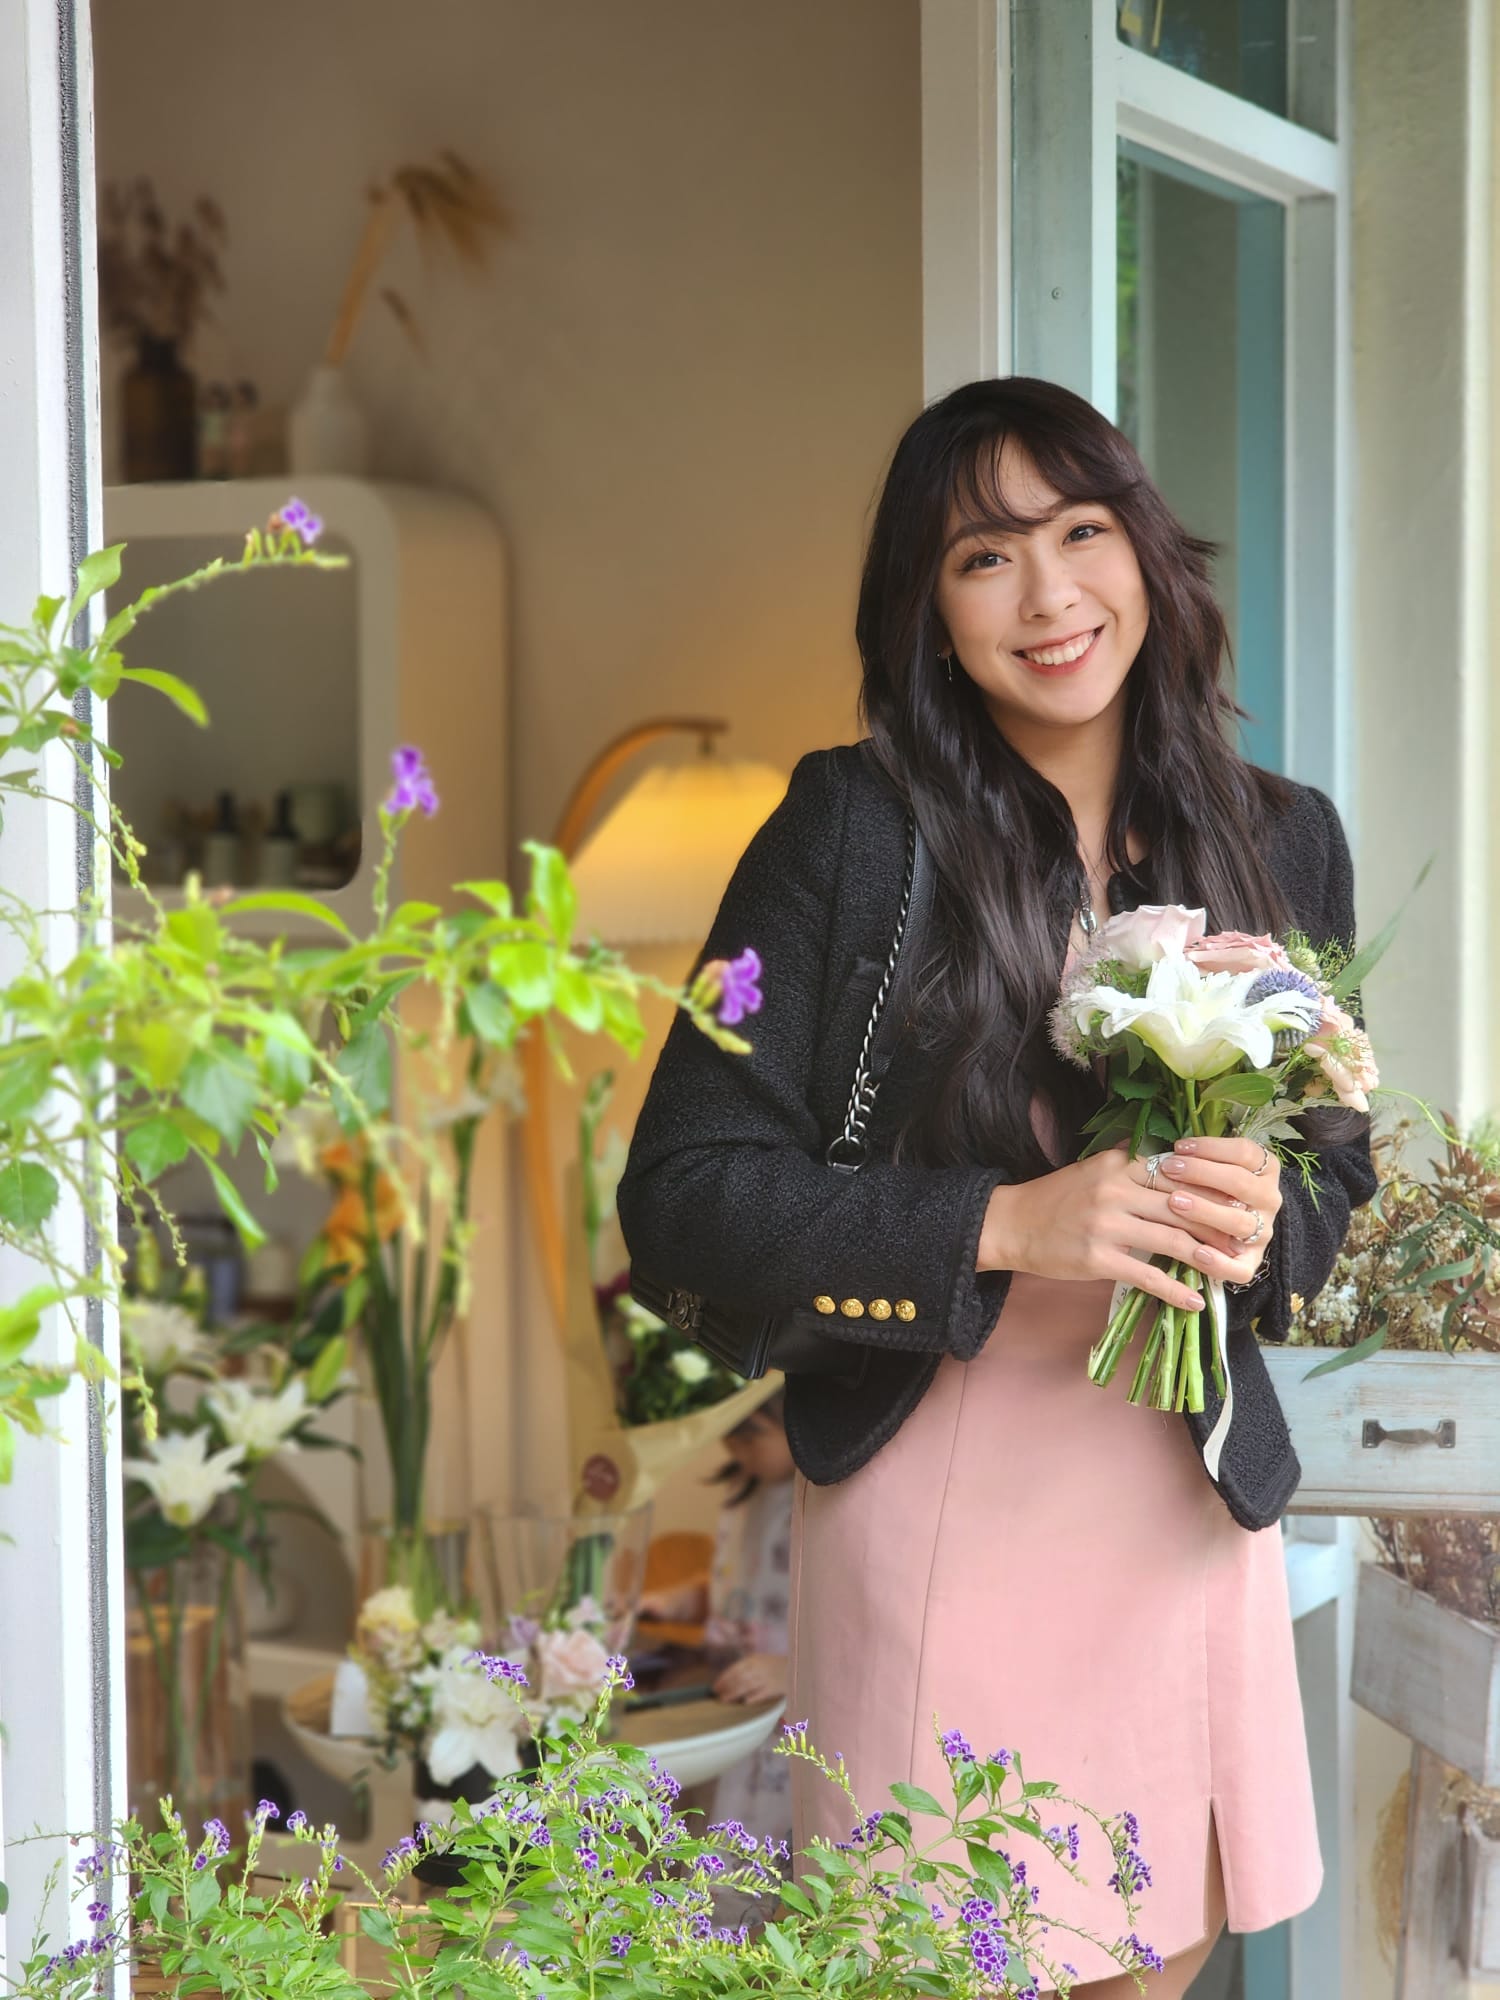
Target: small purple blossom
{"points": [[957, 1748], [619, 1671], [267, 1809], [297, 1823], [215, 1838], [495, 1667], [989, 1954], [98, 1913], [794, 1728], [739, 993], [620, 1943], [412, 789], [1003, 1758], [1142, 1954], [296, 514]]}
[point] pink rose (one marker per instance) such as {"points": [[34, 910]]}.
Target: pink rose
{"points": [[1141, 937], [1236, 951], [1345, 1056], [570, 1663]]}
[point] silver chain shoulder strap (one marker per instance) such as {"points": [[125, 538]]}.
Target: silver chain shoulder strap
{"points": [[847, 1151]]}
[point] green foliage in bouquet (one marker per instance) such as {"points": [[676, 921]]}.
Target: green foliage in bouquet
{"points": [[581, 1880]]}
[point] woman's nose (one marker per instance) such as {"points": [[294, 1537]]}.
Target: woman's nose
{"points": [[1048, 587]]}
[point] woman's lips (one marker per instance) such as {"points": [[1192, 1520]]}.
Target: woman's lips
{"points": [[1067, 666]]}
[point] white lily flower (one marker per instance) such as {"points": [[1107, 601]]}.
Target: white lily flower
{"points": [[474, 1721], [185, 1478], [168, 1336], [1198, 1023], [254, 1418], [691, 1364]]}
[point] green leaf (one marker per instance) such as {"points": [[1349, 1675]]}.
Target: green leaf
{"points": [[323, 1376], [98, 571], [287, 1052], [25, 1073], [490, 1015], [1347, 1356], [1363, 963], [524, 971], [177, 692], [494, 895], [780, 1945], [154, 1145], [28, 1194], [365, 1063], [220, 1086], [203, 1894], [1244, 1086], [378, 1928], [915, 1799], [197, 930], [577, 998], [4, 1899], [552, 893], [250, 1231], [7, 1449], [1134, 1086], [291, 904]]}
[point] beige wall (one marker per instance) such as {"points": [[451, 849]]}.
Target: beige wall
{"points": [[675, 387]]}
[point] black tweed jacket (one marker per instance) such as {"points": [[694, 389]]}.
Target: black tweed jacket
{"points": [[726, 1193]]}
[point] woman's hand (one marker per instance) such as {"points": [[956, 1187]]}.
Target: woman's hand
{"points": [[1228, 1193], [1101, 1218], [756, 1677]]}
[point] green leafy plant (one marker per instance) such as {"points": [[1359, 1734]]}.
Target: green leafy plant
{"points": [[582, 1880]]}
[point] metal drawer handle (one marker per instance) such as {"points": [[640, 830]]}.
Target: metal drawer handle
{"points": [[1443, 1434]]}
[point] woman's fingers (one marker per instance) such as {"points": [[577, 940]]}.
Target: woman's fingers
{"points": [[1207, 1217], [1127, 1270], [1195, 1171]]}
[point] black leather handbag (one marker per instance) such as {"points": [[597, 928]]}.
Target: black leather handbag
{"points": [[746, 1339]]}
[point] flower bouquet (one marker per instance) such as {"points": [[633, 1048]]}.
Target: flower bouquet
{"points": [[1202, 1037]]}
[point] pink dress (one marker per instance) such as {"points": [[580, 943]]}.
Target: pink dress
{"points": [[1040, 1565]]}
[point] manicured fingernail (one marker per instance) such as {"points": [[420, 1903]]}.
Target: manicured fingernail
{"points": [[1174, 1166], [1179, 1201], [1186, 1146], [1197, 1302]]}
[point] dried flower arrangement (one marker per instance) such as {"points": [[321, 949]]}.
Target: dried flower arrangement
{"points": [[450, 206], [154, 280], [1420, 1267]]}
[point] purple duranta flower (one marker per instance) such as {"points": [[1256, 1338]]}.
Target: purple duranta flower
{"points": [[412, 789], [619, 1944], [957, 1748], [740, 994], [297, 514]]}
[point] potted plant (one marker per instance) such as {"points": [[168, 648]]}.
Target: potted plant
{"points": [[1391, 1377]]}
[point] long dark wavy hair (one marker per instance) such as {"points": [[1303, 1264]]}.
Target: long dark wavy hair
{"points": [[1001, 835]]}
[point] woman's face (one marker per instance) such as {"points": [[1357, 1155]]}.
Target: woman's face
{"points": [[1046, 623]]}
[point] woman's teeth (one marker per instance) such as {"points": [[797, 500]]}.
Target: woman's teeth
{"points": [[1060, 656]]}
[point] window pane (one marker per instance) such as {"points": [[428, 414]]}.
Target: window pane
{"points": [[1279, 54], [1201, 394]]}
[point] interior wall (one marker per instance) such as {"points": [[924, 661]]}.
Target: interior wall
{"points": [[675, 385]]}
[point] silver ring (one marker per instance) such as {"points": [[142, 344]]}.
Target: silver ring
{"points": [[1265, 1161], [1260, 1228], [1153, 1168]]}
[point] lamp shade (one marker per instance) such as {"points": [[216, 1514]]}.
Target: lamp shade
{"points": [[655, 867]]}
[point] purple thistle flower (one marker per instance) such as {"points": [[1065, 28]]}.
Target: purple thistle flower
{"points": [[412, 789], [740, 994]]}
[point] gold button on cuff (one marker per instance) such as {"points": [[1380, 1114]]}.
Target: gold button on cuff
{"points": [[824, 1304], [880, 1308], [905, 1309], [852, 1309]]}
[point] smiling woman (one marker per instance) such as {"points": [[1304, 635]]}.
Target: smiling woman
{"points": [[1043, 683]]}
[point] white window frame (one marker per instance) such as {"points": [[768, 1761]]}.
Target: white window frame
{"points": [[62, 1764]]}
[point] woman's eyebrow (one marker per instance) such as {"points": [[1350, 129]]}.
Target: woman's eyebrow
{"points": [[966, 529]]}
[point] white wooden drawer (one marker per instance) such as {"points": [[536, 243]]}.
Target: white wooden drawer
{"points": [[1429, 1672]]}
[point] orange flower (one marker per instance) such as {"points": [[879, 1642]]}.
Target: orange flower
{"points": [[347, 1231]]}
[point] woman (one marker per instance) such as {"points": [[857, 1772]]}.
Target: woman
{"points": [[980, 1533]]}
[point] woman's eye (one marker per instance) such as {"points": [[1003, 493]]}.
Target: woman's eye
{"points": [[1089, 528], [982, 558]]}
